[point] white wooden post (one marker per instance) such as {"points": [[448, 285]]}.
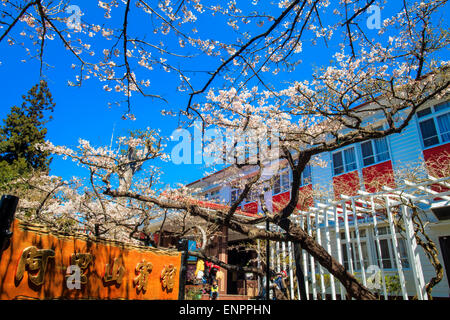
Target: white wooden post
{"points": [[258, 243], [272, 263], [312, 264], [305, 264], [413, 255], [293, 261], [338, 247], [319, 241], [348, 238], [278, 253], [358, 243], [291, 270], [395, 248], [378, 247], [328, 246]]}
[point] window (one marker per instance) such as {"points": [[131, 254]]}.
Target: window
{"points": [[213, 195], [252, 196], [306, 176], [429, 133], [344, 161], [387, 259], [434, 127], [235, 195], [444, 126], [282, 182], [354, 249], [374, 151]]}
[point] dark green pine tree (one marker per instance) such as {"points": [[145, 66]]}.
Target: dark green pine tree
{"points": [[23, 128]]}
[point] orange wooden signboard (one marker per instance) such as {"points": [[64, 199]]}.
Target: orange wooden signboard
{"points": [[41, 264]]}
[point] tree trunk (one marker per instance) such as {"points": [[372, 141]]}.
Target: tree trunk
{"points": [[299, 271], [351, 284]]}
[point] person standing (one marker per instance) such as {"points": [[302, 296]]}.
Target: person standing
{"points": [[214, 290]]}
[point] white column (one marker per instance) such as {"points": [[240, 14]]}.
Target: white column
{"points": [[319, 241], [272, 256], [278, 253], [348, 238], [358, 243], [258, 243], [378, 246], [328, 246], [395, 248], [305, 264], [291, 270], [338, 246], [414, 259], [312, 263]]}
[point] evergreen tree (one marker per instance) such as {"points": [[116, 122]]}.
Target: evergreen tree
{"points": [[23, 128]]}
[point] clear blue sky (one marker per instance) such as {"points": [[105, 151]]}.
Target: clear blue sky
{"points": [[83, 112]]}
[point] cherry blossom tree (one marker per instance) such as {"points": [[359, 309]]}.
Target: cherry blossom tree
{"points": [[79, 206], [253, 84]]}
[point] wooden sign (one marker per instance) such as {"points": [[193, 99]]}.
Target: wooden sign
{"points": [[41, 264]]}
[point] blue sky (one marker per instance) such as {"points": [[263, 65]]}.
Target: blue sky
{"points": [[83, 112]]}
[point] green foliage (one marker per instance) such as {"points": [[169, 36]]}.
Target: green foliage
{"points": [[194, 294], [22, 129], [393, 286], [326, 280]]}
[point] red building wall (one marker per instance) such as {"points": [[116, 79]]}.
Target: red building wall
{"points": [[305, 198], [437, 160], [251, 207], [280, 200], [347, 183], [377, 176]]}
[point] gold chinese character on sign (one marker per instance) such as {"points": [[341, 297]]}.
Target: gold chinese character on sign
{"points": [[34, 261], [168, 277], [114, 273], [82, 260], [143, 268]]}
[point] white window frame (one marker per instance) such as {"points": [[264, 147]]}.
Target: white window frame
{"points": [[302, 178], [433, 115], [283, 187], [354, 248], [252, 196], [374, 154], [344, 161], [213, 195], [237, 191], [404, 255], [302, 181]]}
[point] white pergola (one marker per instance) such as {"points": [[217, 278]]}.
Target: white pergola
{"points": [[334, 217]]}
